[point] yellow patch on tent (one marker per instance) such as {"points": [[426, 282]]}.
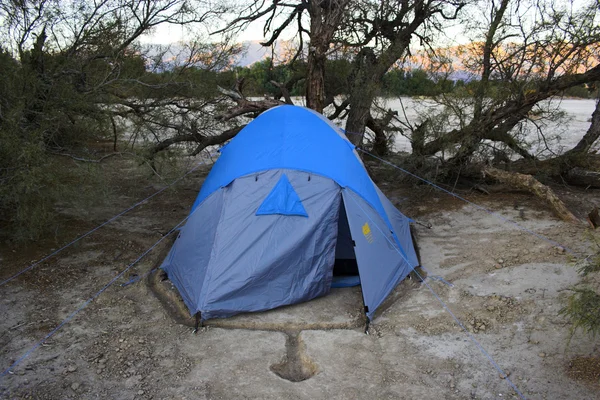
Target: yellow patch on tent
{"points": [[366, 230]]}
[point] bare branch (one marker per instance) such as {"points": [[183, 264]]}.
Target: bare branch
{"points": [[284, 92], [87, 160]]}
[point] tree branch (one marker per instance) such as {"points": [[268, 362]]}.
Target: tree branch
{"points": [[87, 160], [284, 92]]}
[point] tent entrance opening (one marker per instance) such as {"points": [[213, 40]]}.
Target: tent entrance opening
{"points": [[345, 269]]}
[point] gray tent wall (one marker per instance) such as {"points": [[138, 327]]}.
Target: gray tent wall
{"points": [[401, 230], [187, 261], [256, 262], [382, 264]]}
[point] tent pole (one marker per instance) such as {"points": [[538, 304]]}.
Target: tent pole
{"points": [[198, 322], [368, 320]]}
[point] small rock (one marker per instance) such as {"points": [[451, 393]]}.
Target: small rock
{"points": [[497, 266], [102, 361], [75, 386], [71, 368], [141, 341], [141, 392], [505, 375], [542, 355], [501, 261]]}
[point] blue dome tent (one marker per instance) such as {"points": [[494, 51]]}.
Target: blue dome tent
{"points": [[287, 198]]}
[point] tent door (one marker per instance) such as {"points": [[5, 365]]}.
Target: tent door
{"points": [[345, 269]]}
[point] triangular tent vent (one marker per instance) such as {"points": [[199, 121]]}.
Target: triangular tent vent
{"points": [[282, 200]]}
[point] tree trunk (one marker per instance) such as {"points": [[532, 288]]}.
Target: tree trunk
{"points": [[367, 76], [325, 18], [488, 48], [380, 143], [577, 166], [315, 77], [378, 126], [583, 177], [532, 185], [362, 93], [593, 133]]}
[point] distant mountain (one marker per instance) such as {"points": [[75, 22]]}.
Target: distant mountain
{"points": [[283, 51], [176, 53], [254, 51]]}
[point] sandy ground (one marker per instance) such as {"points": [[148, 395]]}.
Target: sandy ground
{"points": [[508, 287]]}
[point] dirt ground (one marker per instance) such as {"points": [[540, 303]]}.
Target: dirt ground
{"points": [[507, 287]]}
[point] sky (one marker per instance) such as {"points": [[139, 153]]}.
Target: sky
{"points": [[174, 35], [167, 34]]}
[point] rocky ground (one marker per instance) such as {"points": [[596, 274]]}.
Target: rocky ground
{"points": [[504, 284]]}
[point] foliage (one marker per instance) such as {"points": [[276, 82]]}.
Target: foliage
{"points": [[592, 263], [24, 169], [75, 74], [396, 82], [520, 62], [582, 92], [417, 82], [337, 75], [583, 306], [583, 309], [519, 55]]}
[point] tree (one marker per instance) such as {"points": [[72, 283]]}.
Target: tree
{"points": [[341, 25], [74, 73], [526, 55], [324, 16], [383, 32], [521, 62]]}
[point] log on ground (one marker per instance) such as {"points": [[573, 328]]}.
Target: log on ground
{"points": [[532, 185]]}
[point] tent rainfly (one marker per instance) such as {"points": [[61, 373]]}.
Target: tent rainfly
{"points": [[287, 199]]}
